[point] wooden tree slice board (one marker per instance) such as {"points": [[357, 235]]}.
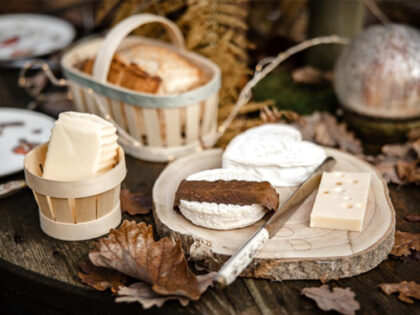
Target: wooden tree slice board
{"points": [[297, 251]]}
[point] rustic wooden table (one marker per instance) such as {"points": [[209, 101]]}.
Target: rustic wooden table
{"points": [[38, 275]]}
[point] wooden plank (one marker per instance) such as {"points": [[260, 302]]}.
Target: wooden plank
{"points": [[172, 118], [264, 297], [105, 102], [152, 127], [105, 203], [85, 209], [62, 210], [132, 123], [78, 97], [192, 122], [44, 205], [209, 109], [117, 191], [117, 109], [294, 252], [90, 102]]}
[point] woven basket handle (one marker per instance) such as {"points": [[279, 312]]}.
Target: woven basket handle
{"points": [[107, 50], [120, 31]]}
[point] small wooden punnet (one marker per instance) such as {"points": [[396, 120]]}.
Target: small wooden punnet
{"points": [[75, 210]]}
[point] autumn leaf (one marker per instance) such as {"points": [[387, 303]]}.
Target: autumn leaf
{"points": [[142, 292], [404, 242], [132, 251], [311, 75], [412, 217], [406, 290], [135, 203], [339, 299], [101, 278]]}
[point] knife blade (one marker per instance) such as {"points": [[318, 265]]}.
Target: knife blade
{"points": [[243, 257]]}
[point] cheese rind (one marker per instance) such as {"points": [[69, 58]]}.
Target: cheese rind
{"points": [[275, 153], [81, 146], [221, 216], [341, 201]]}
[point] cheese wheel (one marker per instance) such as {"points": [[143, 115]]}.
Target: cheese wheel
{"points": [[221, 216], [274, 153]]}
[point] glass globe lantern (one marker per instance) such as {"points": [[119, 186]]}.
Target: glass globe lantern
{"points": [[378, 73]]}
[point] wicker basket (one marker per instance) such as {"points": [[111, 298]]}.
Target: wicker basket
{"points": [[75, 210], [151, 127]]}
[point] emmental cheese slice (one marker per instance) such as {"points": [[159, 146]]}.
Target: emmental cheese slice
{"points": [[341, 201], [81, 146]]}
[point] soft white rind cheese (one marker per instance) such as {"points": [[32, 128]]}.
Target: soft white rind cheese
{"points": [[81, 146], [221, 216], [274, 153], [341, 201]]}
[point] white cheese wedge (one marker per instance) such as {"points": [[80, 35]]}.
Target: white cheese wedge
{"points": [[221, 216], [341, 201], [81, 146], [275, 153]]}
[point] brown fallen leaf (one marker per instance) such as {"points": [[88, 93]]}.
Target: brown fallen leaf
{"points": [[132, 250], [404, 242], [412, 217], [406, 290], [101, 278], [389, 172], [339, 299], [311, 75], [270, 114], [142, 292], [135, 203]]}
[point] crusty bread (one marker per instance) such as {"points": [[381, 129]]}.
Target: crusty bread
{"points": [[151, 69]]}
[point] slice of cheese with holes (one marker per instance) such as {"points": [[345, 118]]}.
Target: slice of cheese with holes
{"points": [[341, 201], [81, 146]]}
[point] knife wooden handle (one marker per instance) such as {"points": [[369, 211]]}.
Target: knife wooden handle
{"points": [[243, 257]]}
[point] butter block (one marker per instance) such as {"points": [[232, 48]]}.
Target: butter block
{"points": [[341, 201], [81, 146]]}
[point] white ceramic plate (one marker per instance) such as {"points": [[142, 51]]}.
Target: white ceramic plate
{"points": [[20, 130], [32, 35]]}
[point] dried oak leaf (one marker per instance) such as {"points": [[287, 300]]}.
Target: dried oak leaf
{"points": [[141, 292], [132, 250], [406, 290], [404, 242], [101, 278], [324, 129], [135, 203], [339, 299], [412, 217], [311, 75]]}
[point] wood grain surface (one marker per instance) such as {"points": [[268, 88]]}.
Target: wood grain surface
{"points": [[296, 251], [38, 275]]}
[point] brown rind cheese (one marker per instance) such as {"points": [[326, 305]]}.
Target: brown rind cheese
{"points": [[229, 192]]}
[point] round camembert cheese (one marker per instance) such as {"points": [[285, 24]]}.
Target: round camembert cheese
{"points": [[221, 216], [275, 153]]}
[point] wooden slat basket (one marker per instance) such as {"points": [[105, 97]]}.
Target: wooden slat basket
{"points": [[75, 210], [151, 127]]}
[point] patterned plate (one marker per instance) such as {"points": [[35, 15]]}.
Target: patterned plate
{"points": [[32, 35], [20, 130]]}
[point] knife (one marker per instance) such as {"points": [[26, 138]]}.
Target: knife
{"points": [[243, 257]]}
